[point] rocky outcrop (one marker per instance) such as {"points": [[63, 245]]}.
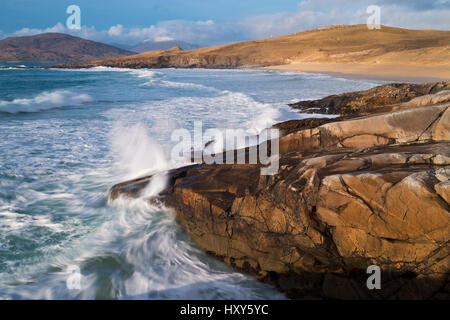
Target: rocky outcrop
{"points": [[169, 59], [370, 190], [328, 216], [367, 101], [430, 123]]}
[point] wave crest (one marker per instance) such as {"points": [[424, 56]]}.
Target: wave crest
{"points": [[44, 101]]}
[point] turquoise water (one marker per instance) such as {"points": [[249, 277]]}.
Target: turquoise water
{"points": [[68, 135]]}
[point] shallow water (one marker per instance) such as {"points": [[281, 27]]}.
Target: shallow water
{"points": [[68, 135]]}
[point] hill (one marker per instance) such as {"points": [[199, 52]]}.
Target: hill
{"points": [[161, 45], [342, 45], [56, 47]]}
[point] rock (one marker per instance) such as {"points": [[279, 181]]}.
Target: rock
{"points": [[429, 99], [443, 190], [372, 99], [430, 123], [290, 126]]}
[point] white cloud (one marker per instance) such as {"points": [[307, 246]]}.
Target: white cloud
{"points": [[282, 23], [161, 39], [115, 31], [425, 19], [31, 31]]}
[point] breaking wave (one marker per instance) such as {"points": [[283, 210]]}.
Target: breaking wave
{"points": [[152, 78], [44, 101]]}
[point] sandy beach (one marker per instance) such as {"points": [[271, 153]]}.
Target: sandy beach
{"points": [[388, 72]]}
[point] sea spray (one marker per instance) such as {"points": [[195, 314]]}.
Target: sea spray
{"points": [[136, 153], [156, 185]]}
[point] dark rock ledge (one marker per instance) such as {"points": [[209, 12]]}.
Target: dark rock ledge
{"points": [[367, 188]]}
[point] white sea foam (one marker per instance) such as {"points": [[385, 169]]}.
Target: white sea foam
{"points": [[136, 153], [44, 101], [160, 118], [141, 73], [225, 110], [154, 78], [93, 69], [157, 79], [11, 68], [13, 221], [165, 266], [144, 73]]}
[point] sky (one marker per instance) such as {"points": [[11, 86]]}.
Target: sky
{"points": [[209, 22]]}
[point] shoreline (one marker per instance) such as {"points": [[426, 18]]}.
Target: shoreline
{"points": [[361, 72], [382, 72]]}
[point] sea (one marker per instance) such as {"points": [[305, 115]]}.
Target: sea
{"points": [[67, 136]]}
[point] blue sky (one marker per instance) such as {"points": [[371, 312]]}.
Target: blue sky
{"points": [[209, 22], [17, 14]]}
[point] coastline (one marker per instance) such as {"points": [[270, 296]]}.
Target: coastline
{"points": [[312, 229], [384, 72]]}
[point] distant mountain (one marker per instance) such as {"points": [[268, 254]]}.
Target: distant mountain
{"points": [[56, 47], [159, 45]]}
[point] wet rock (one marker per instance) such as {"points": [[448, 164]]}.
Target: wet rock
{"points": [[367, 101], [290, 126]]}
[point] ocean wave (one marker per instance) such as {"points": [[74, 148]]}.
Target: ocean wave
{"points": [[139, 146], [18, 67], [178, 85], [226, 109], [44, 101], [92, 69], [140, 73], [155, 78], [144, 73]]}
